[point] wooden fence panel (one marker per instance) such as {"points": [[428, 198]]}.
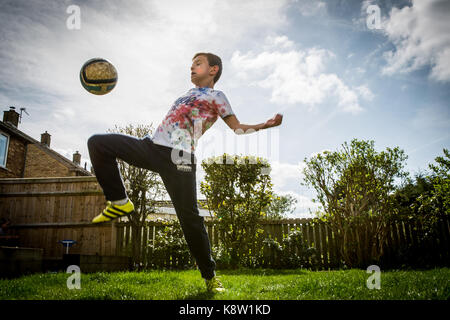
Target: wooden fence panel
{"points": [[408, 235], [313, 242], [278, 231], [390, 243], [304, 232], [396, 234], [333, 248], [324, 240], [401, 233], [317, 244], [144, 243], [46, 210]]}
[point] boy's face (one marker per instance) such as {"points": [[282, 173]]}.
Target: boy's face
{"points": [[201, 72]]}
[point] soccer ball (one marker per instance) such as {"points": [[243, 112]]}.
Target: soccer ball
{"points": [[98, 76]]}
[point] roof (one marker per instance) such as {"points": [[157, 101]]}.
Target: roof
{"points": [[9, 128]]}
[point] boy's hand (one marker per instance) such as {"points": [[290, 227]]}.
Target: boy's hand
{"points": [[274, 121]]}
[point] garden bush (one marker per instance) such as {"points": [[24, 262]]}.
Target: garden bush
{"points": [[169, 249], [292, 252]]}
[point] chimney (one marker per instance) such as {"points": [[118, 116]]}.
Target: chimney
{"points": [[45, 139], [11, 116], [77, 158]]}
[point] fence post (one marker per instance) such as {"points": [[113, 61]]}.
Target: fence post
{"points": [[119, 238], [278, 231], [408, 234], [333, 247], [395, 242], [144, 248], [401, 234], [324, 245]]}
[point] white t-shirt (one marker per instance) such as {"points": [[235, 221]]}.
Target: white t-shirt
{"points": [[190, 116]]}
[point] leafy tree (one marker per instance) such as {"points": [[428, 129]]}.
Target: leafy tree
{"points": [[436, 202], [279, 206], [425, 202], [354, 185], [406, 196], [143, 186], [427, 198], [237, 191]]}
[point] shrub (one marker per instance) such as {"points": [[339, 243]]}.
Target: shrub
{"points": [[169, 249], [247, 254], [293, 252], [237, 189]]}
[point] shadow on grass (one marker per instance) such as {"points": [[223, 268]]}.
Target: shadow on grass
{"points": [[262, 272]]}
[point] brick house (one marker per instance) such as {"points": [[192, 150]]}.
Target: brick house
{"points": [[21, 156]]}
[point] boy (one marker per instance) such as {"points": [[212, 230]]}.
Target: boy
{"points": [[190, 116]]}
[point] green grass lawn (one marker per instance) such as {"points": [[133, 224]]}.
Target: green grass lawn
{"points": [[240, 284]]}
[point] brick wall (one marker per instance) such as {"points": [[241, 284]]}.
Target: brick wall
{"points": [[40, 164], [14, 163]]}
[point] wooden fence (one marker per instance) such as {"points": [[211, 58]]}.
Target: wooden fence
{"points": [[401, 235], [46, 210]]}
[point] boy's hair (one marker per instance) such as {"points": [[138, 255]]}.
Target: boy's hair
{"points": [[213, 60]]}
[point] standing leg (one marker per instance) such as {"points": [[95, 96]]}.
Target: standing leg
{"points": [[182, 190]]}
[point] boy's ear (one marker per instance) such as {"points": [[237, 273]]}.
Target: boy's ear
{"points": [[214, 70]]}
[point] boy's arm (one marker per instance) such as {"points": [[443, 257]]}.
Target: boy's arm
{"points": [[240, 128]]}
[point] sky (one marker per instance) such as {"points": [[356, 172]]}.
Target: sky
{"points": [[336, 70]]}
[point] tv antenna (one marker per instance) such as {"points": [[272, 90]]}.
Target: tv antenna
{"points": [[22, 110]]}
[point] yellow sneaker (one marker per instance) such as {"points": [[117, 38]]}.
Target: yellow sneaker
{"points": [[113, 211], [214, 285]]}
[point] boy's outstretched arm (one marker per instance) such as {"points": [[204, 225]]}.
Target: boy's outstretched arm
{"points": [[240, 128]]}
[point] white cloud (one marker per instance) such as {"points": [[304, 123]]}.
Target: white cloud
{"points": [[365, 92], [278, 41], [287, 177], [294, 76], [310, 7], [421, 35], [303, 207], [284, 173]]}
